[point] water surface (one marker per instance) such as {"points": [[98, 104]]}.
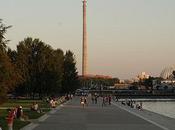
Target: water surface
{"points": [[163, 108]]}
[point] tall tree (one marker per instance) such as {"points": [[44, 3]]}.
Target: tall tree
{"points": [[40, 66], [8, 76], [3, 40], [70, 81]]}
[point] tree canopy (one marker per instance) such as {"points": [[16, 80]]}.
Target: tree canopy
{"points": [[35, 69], [8, 78]]}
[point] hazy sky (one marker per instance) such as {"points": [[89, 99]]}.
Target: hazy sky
{"points": [[125, 37]]}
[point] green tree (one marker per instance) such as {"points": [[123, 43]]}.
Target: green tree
{"points": [[70, 77], [40, 66], [52, 75], [3, 40], [8, 77]]}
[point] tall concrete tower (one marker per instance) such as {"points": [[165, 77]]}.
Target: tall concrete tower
{"points": [[84, 57]]}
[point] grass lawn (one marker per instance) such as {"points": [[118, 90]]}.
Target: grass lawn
{"points": [[25, 104], [35, 115], [3, 114], [17, 124], [20, 124]]}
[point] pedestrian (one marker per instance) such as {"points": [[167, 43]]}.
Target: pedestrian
{"points": [[54, 103], [19, 112], [103, 101], [82, 101], [71, 96], [10, 119], [85, 101], [106, 100], [51, 102], [140, 105], [92, 98], [109, 100], [96, 99]]}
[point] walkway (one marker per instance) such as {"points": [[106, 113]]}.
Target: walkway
{"points": [[73, 117]]}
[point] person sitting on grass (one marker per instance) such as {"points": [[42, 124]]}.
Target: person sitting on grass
{"points": [[34, 106], [53, 103], [0, 127]]}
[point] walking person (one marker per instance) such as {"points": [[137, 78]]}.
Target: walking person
{"points": [[106, 100], [10, 119], [82, 101], [103, 101], [96, 99], [85, 101], [109, 100], [92, 98]]}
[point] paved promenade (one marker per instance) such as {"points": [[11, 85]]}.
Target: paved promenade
{"points": [[72, 116]]}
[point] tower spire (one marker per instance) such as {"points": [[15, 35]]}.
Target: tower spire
{"points": [[84, 57]]}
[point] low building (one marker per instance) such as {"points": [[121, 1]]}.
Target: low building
{"points": [[141, 77], [121, 86], [164, 84]]}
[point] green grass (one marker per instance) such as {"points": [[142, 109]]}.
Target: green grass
{"points": [[3, 123], [34, 115], [3, 114], [25, 104], [19, 124]]}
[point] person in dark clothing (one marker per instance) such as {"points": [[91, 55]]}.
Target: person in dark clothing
{"points": [[96, 99], [92, 99], [19, 112], [103, 101], [109, 100]]}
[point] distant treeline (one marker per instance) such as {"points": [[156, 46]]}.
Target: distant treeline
{"points": [[35, 68]]}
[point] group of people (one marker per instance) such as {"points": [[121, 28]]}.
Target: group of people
{"points": [[17, 112], [53, 103], [106, 100], [35, 107], [132, 104], [94, 99], [68, 96]]}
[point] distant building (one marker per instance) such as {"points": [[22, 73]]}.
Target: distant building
{"points": [[167, 73], [167, 82], [121, 86], [141, 76], [96, 76], [164, 84]]}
